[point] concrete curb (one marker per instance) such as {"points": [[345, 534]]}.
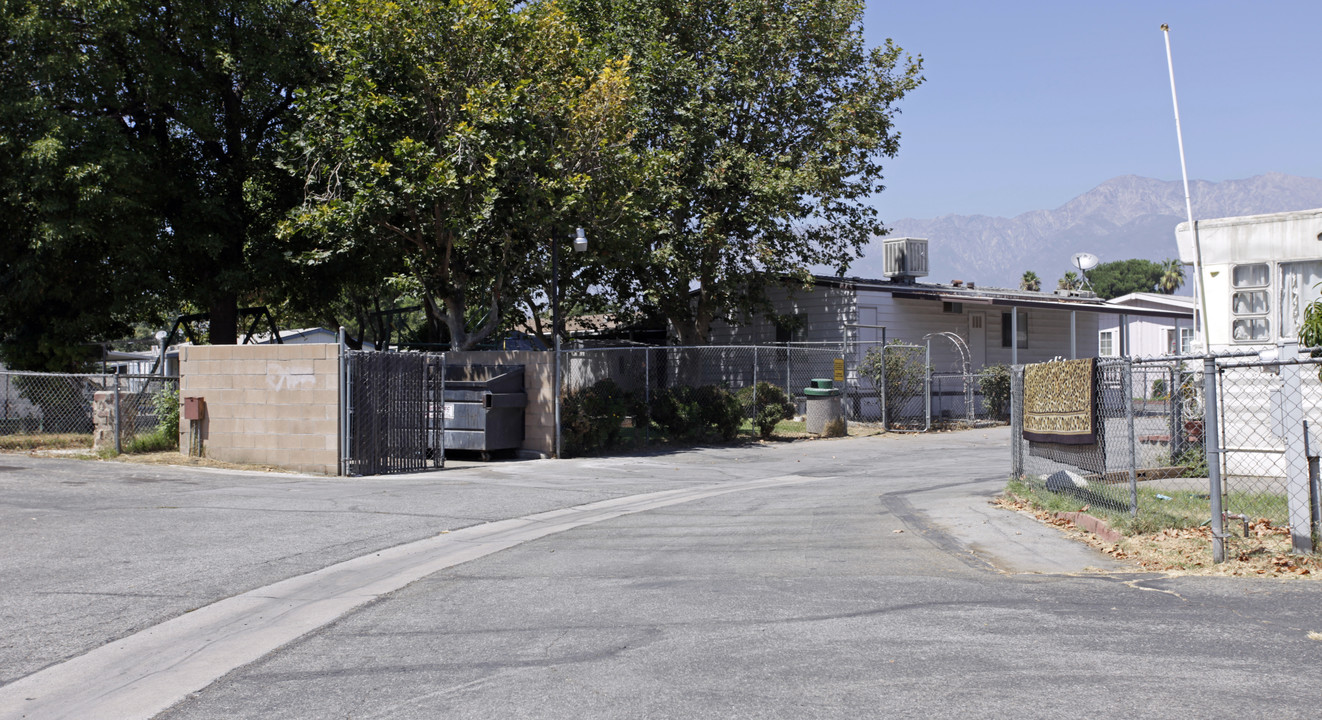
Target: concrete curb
{"points": [[1097, 526]]}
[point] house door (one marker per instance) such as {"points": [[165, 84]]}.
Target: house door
{"points": [[977, 339]]}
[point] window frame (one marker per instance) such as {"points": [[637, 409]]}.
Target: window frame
{"points": [[1006, 341], [1264, 315], [1112, 336]]}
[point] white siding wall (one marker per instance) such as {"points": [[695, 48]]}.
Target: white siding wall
{"points": [[1048, 336], [827, 311], [1048, 330], [1147, 335], [823, 313]]}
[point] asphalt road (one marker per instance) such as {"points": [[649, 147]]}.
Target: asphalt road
{"points": [[844, 578]]}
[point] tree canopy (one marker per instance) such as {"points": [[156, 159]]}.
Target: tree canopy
{"points": [[138, 146], [453, 142], [342, 156], [1121, 277], [761, 126]]}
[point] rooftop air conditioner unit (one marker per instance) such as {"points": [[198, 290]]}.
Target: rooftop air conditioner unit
{"points": [[905, 258]]}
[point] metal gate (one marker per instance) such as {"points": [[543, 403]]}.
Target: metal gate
{"points": [[394, 412]]}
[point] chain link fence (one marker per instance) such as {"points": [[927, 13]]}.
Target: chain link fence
{"points": [[614, 398], [1244, 462], [59, 409], [1268, 416], [621, 398]]}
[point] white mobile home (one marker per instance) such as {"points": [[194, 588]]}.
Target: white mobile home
{"points": [[1259, 272], [997, 325]]}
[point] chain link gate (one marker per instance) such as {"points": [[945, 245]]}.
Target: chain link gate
{"points": [[394, 412]]}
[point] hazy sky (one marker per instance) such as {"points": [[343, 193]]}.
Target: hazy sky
{"points": [[1028, 104]]}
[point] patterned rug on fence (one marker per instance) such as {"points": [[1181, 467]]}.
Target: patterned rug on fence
{"points": [[1060, 402]]}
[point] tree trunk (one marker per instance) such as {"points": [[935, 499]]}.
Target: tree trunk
{"points": [[224, 319]]}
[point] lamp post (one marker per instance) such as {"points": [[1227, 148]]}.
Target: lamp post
{"points": [[580, 245]]}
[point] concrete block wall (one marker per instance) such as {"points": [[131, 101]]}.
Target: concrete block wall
{"points": [[538, 382], [265, 404]]}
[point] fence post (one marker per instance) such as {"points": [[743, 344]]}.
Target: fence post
{"points": [[927, 384], [1128, 369], [647, 395], [1314, 487], [754, 423], [119, 445], [885, 421], [1016, 429], [556, 390], [1212, 451], [343, 388], [789, 358], [1297, 480], [1175, 398]]}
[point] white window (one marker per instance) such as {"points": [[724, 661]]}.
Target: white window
{"points": [[1179, 341], [1106, 345], [1249, 303]]}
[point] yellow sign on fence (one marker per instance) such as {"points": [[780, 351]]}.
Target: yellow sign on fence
{"points": [[839, 369]]}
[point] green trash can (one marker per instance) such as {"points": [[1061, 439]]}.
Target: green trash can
{"points": [[825, 405]]}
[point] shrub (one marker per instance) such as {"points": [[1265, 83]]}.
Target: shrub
{"points": [[770, 406], [675, 410], [691, 413], [995, 386], [721, 411], [591, 417], [166, 435], [904, 373], [1194, 461], [1159, 388]]}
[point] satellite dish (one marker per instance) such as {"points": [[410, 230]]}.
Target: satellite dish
{"points": [[1084, 261]]}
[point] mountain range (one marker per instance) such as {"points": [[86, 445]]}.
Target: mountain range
{"points": [[1124, 217]]}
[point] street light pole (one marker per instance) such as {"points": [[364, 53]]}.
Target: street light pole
{"points": [[580, 245]]}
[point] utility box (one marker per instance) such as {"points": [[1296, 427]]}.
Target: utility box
{"points": [[825, 405], [194, 407], [484, 407]]}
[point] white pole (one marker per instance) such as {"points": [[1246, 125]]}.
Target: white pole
{"points": [[1200, 308]]}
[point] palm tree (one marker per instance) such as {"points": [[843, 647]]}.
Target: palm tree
{"points": [[1031, 282], [1172, 276], [1069, 282]]}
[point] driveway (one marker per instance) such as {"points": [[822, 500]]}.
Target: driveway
{"points": [[840, 578]]}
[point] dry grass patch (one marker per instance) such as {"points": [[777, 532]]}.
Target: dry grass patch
{"points": [[178, 458], [45, 441], [1185, 550]]}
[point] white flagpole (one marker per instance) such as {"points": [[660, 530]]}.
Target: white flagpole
{"points": [[1200, 300]]}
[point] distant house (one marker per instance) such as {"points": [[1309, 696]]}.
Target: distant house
{"points": [[305, 336], [1259, 273], [1147, 335], [997, 325]]}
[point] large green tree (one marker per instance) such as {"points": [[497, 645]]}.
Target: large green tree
{"points": [[139, 144], [454, 142], [761, 125], [1121, 277]]}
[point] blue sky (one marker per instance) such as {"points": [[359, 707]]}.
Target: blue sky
{"points": [[1028, 104]]}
